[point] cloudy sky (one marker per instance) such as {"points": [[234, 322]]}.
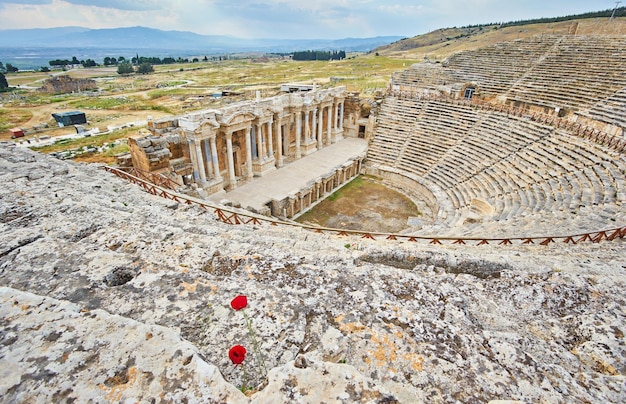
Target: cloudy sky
{"points": [[284, 18]]}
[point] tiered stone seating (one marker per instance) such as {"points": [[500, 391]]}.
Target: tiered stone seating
{"points": [[586, 74], [395, 118], [423, 75], [611, 110], [536, 177], [527, 171], [496, 68], [437, 129], [576, 73]]}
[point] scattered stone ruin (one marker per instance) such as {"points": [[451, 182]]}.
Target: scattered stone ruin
{"points": [[66, 84]]}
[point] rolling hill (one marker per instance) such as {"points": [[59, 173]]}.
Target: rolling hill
{"points": [[149, 38]]}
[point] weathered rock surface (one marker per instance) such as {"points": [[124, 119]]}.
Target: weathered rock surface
{"points": [[54, 351], [381, 320]]}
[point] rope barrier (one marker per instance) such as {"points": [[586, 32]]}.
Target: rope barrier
{"points": [[233, 217]]}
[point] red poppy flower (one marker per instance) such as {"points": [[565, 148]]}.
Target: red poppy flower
{"points": [[239, 302], [237, 354]]}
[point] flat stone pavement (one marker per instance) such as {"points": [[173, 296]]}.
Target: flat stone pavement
{"points": [[293, 176]]}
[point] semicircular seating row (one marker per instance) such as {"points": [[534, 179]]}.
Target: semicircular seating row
{"points": [[538, 179], [581, 73]]}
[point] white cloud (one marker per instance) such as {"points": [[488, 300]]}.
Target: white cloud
{"points": [[281, 18]]}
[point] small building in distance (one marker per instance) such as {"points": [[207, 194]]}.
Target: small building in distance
{"points": [[70, 118]]}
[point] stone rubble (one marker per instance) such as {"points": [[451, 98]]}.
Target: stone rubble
{"points": [[111, 294]]}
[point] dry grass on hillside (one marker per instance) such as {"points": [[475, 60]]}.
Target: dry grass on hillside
{"points": [[440, 44], [180, 88]]}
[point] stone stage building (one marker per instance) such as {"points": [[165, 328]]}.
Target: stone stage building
{"points": [[221, 149]]}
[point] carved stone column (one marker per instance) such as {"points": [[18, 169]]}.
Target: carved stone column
{"points": [[341, 116], [200, 159], [335, 116], [314, 125], [298, 133], [231, 161], [270, 138], [194, 159], [248, 154], [279, 142], [258, 130], [207, 158], [329, 123], [320, 129], [216, 163], [307, 127]]}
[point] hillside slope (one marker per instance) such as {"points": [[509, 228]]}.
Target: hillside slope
{"points": [[439, 44]]}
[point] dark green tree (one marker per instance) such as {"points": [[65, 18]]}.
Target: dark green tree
{"points": [[44, 69], [145, 68], [60, 62], [125, 68], [3, 82], [89, 63], [11, 69], [108, 61]]}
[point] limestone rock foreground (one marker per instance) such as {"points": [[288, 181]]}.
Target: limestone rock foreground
{"points": [[110, 294]]}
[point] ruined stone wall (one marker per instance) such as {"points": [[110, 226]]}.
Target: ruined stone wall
{"points": [[67, 84], [153, 153]]}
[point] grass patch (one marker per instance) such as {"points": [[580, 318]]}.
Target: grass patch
{"points": [[11, 118], [98, 140], [115, 149], [101, 103], [172, 83], [167, 93], [347, 189], [363, 204]]}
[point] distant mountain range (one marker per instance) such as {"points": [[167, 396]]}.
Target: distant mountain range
{"points": [[142, 38]]}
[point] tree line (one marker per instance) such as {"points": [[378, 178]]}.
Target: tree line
{"points": [[319, 55], [8, 68], [114, 61], [619, 12]]}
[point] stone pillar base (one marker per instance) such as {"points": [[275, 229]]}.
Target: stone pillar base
{"points": [[337, 135], [232, 185], [308, 148], [213, 186], [264, 166]]}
